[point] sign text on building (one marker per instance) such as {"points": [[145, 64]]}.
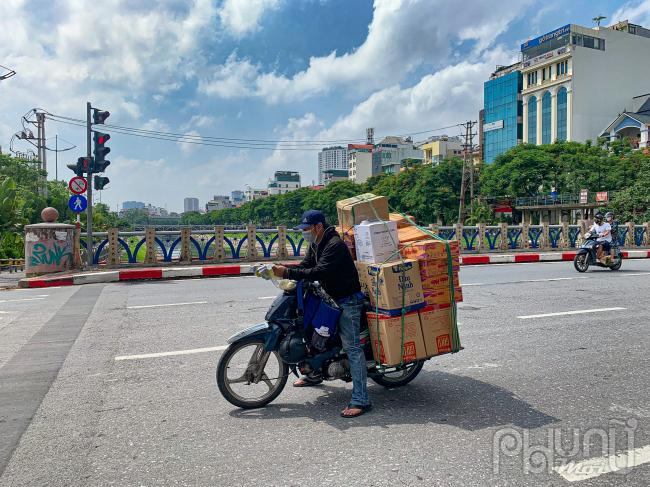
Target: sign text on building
{"points": [[546, 37], [498, 124]]}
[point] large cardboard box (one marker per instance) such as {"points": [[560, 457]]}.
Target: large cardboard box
{"points": [[410, 234], [436, 268], [436, 329], [376, 241], [430, 249], [359, 208], [401, 221], [385, 284], [440, 295], [362, 268], [386, 338]]}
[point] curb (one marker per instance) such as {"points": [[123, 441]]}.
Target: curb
{"points": [[247, 269]]}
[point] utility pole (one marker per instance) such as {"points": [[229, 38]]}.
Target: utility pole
{"points": [[42, 151], [467, 177], [56, 157], [89, 209]]}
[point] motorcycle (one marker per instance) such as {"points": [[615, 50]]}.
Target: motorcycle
{"points": [[587, 255], [255, 367]]}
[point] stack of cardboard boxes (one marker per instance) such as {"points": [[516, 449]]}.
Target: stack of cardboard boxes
{"points": [[401, 270]]}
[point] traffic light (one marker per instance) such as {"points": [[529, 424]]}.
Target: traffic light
{"points": [[100, 182], [100, 116], [81, 167], [100, 152]]}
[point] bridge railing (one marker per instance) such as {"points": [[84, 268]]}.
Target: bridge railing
{"points": [[189, 245]]}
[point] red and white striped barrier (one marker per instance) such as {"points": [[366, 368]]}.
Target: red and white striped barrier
{"points": [[247, 269]]}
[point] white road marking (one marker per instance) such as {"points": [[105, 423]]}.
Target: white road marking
{"points": [[565, 313], [170, 354], [37, 298], [267, 297], [166, 304], [594, 467]]}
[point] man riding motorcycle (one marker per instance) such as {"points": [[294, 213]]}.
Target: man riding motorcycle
{"points": [[609, 218], [604, 232], [329, 262]]}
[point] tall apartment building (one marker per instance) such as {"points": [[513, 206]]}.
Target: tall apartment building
{"points": [[575, 78], [331, 158], [190, 204]]}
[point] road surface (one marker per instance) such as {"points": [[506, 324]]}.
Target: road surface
{"points": [[110, 384]]}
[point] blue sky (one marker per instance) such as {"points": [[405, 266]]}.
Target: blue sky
{"points": [[286, 70]]}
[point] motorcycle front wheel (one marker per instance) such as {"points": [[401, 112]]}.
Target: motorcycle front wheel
{"points": [[250, 377], [401, 377], [581, 262]]}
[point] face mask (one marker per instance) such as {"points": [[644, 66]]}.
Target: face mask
{"points": [[308, 236]]}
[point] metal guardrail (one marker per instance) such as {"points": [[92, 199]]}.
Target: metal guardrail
{"points": [[561, 199], [12, 265], [200, 246]]}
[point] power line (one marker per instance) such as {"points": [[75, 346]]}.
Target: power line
{"points": [[227, 142]]}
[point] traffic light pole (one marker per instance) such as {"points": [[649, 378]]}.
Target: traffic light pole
{"points": [[89, 209]]}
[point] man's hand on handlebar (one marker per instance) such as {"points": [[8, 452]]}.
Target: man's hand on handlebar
{"points": [[278, 270]]}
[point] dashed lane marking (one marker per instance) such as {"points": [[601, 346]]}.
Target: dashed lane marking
{"points": [[566, 313], [165, 304], [171, 354]]}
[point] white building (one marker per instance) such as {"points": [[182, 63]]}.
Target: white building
{"points": [[255, 194], [218, 203], [190, 204], [284, 182], [361, 165], [392, 151], [575, 78], [439, 147], [331, 158]]}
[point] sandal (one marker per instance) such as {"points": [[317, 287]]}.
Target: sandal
{"points": [[308, 380], [362, 410]]}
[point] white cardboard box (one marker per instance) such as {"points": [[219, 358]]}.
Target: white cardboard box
{"points": [[376, 241]]}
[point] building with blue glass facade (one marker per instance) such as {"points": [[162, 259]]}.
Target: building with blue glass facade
{"points": [[502, 112]]}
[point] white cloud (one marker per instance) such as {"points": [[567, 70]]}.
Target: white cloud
{"points": [[635, 12], [198, 121], [192, 142], [155, 125], [447, 97], [241, 17], [403, 35]]}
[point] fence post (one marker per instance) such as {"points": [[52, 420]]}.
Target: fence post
{"points": [[646, 234], [480, 238], [219, 255], [185, 244], [629, 238], [458, 227], [113, 247], [524, 236], [150, 242], [546, 240], [565, 241], [503, 236], [282, 242], [251, 243]]}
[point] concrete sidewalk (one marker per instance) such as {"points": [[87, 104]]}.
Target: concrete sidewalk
{"points": [[214, 270]]}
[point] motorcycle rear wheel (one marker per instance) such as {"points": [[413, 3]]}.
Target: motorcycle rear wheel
{"points": [[617, 265], [581, 262], [245, 375], [401, 377]]}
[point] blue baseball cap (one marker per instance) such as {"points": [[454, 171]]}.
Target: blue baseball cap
{"points": [[311, 217]]}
